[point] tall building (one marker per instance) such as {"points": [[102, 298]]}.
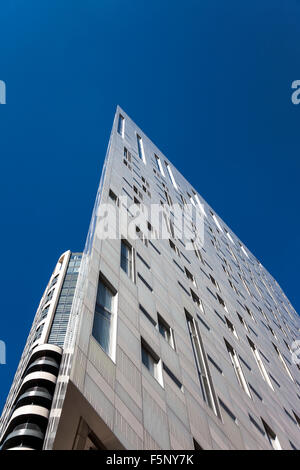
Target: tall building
{"points": [[175, 336]]}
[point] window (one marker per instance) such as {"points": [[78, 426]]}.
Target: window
{"points": [[283, 362], [196, 445], [260, 363], [170, 173], [217, 223], [121, 125], [168, 198], [297, 418], [273, 439], [229, 236], [159, 165], [205, 380], [113, 197], [127, 259], [190, 276], [191, 200], [201, 206], [166, 331], [104, 317], [243, 322], [231, 327], [197, 301], [249, 312], [174, 247], [237, 368], [140, 148], [197, 252], [221, 301], [151, 361], [215, 283]]}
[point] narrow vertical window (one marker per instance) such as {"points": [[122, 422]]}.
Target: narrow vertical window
{"points": [[273, 439], [201, 206], [127, 259], [166, 331], [151, 361], [231, 327], [159, 165], [206, 385], [237, 368], [260, 363], [140, 148], [197, 301], [191, 199], [217, 222], [229, 237], [170, 173], [104, 318], [121, 125], [283, 362]]}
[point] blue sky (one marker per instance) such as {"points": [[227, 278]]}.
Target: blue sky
{"points": [[208, 81]]}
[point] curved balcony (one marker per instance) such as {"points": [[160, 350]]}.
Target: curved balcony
{"points": [[35, 396], [38, 379], [34, 415], [43, 364], [45, 350], [23, 436]]}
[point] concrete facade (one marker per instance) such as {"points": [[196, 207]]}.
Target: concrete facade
{"points": [[200, 341]]}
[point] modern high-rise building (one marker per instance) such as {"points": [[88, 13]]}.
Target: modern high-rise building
{"points": [[174, 336]]}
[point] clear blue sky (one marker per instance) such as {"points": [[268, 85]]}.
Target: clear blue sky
{"points": [[208, 81]]}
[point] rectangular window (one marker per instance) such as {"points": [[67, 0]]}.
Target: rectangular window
{"points": [[159, 165], [166, 331], [221, 301], [196, 445], [121, 125], [127, 259], [217, 222], [151, 361], [168, 198], [283, 362], [205, 380], [140, 148], [197, 252], [201, 206], [243, 322], [260, 363], [170, 173], [273, 439], [113, 197], [215, 283], [231, 327], [237, 368], [104, 317], [197, 301], [190, 276]]}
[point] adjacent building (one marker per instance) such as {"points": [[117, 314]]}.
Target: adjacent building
{"points": [[166, 333]]}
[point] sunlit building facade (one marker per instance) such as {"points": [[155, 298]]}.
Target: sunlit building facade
{"points": [[168, 338]]}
